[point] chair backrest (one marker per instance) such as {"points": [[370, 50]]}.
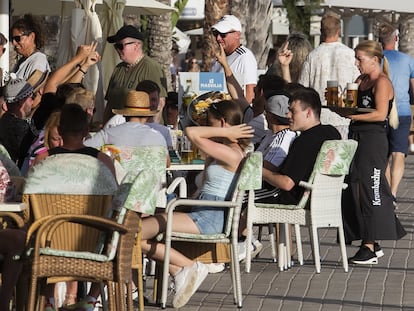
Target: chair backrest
{"points": [[4, 151], [332, 163], [248, 177], [71, 184], [152, 158], [10, 166], [70, 174], [138, 193]]}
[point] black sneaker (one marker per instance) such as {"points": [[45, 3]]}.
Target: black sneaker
{"points": [[378, 250], [364, 256]]}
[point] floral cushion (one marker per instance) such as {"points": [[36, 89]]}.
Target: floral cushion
{"points": [[135, 159], [4, 182], [251, 173], [335, 157], [4, 151], [70, 174], [138, 192], [10, 166]]}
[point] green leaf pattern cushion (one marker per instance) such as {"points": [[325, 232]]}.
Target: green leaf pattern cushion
{"points": [[10, 166], [138, 192], [4, 151], [135, 159], [335, 157], [70, 174], [251, 174]]}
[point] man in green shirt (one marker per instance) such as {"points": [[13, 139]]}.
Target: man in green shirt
{"points": [[135, 67]]}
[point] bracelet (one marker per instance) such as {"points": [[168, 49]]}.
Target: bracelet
{"points": [[80, 68]]}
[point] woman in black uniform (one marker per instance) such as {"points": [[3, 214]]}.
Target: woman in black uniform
{"points": [[368, 209]]}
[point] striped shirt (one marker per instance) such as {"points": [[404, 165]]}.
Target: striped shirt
{"points": [[243, 64]]}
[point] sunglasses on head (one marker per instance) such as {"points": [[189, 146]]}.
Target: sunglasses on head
{"points": [[19, 37], [223, 35], [120, 46]]}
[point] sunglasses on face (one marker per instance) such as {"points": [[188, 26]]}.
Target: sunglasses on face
{"points": [[120, 46], [19, 37], [223, 35]]}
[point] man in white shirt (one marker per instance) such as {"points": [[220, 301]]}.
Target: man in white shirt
{"points": [[242, 62], [331, 60]]}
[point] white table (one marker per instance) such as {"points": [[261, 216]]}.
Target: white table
{"points": [[13, 207]]}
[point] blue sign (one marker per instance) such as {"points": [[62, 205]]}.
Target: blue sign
{"points": [[211, 81]]}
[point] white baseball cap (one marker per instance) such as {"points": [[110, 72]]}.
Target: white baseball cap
{"points": [[228, 23]]}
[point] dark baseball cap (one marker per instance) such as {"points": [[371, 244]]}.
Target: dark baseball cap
{"points": [[128, 31]]}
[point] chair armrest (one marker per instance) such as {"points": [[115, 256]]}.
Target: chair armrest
{"points": [[306, 185], [181, 183], [48, 227], [35, 226], [194, 202], [16, 218], [309, 186]]}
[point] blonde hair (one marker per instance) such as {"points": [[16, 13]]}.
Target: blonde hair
{"points": [[330, 25], [52, 121], [301, 47], [82, 97], [374, 49]]}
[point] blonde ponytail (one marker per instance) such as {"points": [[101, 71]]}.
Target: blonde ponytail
{"points": [[393, 116]]}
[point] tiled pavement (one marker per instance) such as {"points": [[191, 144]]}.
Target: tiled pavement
{"points": [[386, 286]]}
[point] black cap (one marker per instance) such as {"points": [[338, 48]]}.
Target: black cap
{"points": [[128, 31]]}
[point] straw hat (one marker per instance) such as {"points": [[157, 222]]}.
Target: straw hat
{"points": [[137, 105]]}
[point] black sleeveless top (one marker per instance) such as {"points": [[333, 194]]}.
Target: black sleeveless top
{"points": [[366, 99], [85, 150]]}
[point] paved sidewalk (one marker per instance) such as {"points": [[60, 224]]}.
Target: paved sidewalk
{"points": [[386, 286]]}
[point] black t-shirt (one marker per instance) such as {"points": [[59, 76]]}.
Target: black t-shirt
{"points": [[12, 132], [301, 158]]}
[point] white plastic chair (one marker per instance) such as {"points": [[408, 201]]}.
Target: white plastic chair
{"points": [[248, 178], [319, 207]]}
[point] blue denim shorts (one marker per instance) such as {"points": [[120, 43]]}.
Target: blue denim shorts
{"points": [[398, 138], [209, 220]]}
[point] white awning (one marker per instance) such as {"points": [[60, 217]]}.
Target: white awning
{"points": [[399, 6], [53, 7]]}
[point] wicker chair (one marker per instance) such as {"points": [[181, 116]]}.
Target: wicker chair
{"points": [[319, 207], [68, 184], [248, 178], [113, 266]]}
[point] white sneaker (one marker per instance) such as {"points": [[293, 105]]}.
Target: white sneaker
{"points": [[215, 267], [187, 281], [255, 248]]}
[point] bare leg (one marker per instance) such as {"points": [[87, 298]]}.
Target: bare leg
{"points": [[395, 171], [152, 226], [71, 291]]}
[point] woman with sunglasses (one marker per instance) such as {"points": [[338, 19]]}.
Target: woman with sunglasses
{"points": [[27, 39], [225, 143]]}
